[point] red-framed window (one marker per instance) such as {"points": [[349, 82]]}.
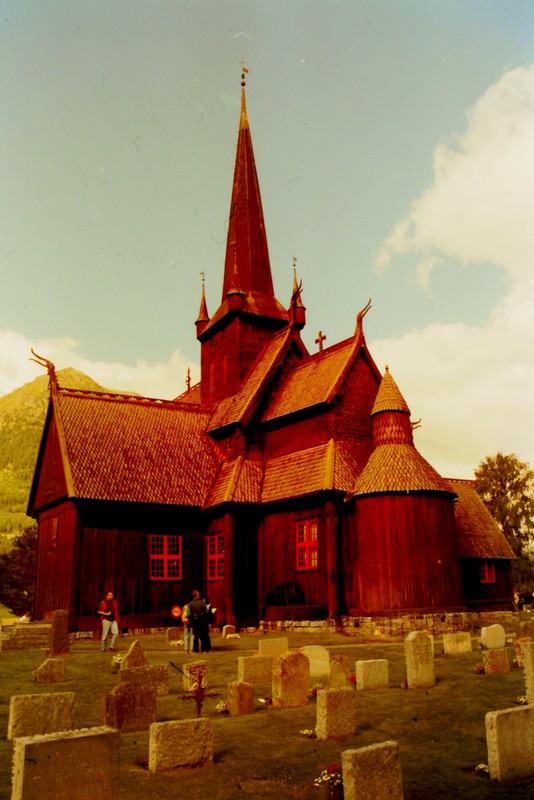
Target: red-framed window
{"points": [[165, 557], [307, 534], [487, 573], [215, 556]]}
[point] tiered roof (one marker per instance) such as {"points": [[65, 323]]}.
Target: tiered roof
{"points": [[479, 536]]}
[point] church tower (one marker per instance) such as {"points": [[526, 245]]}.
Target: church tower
{"points": [[249, 314]]}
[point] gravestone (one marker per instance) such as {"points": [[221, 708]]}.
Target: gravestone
{"points": [[510, 739], [50, 671], [518, 649], [180, 743], [156, 677], [130, 707], [337, 678], [32, 714], [373, 771], [526, 628], [528, 666], [372, 674], [228, 630], [495, 661], [173, 634], [319, 659], [457, 643], [83, 764], [59, 634], [273, 647], [336, 713], [240, 698], [291, 681], [135, 657], [255, 669], [419, 661], [195, 676], [493, 637], [343, 661]]}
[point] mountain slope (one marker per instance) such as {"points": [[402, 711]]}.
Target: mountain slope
{"points": [[22, 415]]}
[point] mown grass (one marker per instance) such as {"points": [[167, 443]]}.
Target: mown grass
{"points": [[441, 731]]}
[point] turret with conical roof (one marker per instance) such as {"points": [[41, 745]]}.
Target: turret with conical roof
{"points": [[249, 314]]}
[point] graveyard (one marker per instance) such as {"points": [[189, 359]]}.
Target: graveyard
{"points": [[264, 733]]}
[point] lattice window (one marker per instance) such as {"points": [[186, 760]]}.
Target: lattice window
{"points": [[307, 533], [487, 573], [215, 556], [165, 557]]}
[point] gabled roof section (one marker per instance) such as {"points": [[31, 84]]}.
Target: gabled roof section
{"points": [[330, 466], [133, 449], [320, 378], [239, 408], [478, 534]]}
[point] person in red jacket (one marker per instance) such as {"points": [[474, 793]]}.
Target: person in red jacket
{"points": [[109, 614]]}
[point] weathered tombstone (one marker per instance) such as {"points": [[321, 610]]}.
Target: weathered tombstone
{"points": [[319, 659], [336, 713], [372, 674], [495, 661], [173, 634], [50, 671], [291, 681], [240, 698], [337, 679], [180, 743], [33, 714], [457, 643], [419, 661], [373, 771], [528, 659], [518, 649], [195, 676], [52, 765], [59, 634], [255, 669], [135, 657], [130, 707], [493, 637], [343, 661], [526, 628], [273, 647], [156, 677], [228, 630], [510, 739]]}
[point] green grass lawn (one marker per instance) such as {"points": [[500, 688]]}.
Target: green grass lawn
{"points": [[441, 731]]}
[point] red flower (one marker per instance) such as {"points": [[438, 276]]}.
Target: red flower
{"points": [[352, 679], [332, 768]]}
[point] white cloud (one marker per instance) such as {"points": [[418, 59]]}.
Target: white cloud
{"points": [[165, 380], [474, 386], [480, 206]]}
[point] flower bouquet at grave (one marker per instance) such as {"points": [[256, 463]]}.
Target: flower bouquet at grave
{"points": [[116, 663], [331, 781]]}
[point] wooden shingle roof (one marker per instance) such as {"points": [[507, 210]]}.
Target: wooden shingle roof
{"points": [[237, 408], [134, 449], [399, 468], [478, 534]]}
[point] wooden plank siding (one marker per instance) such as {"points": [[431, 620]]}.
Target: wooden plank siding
{"points": [[486, 596], [402, 554]]}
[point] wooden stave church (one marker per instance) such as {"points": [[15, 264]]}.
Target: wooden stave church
{"points": [[285, 485]]}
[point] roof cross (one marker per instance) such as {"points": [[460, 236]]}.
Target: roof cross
{"points": [[320, 339]]}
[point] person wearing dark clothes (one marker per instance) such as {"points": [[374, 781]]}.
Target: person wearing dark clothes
{"points": [[199, 622]]}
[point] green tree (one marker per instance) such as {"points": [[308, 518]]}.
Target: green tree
{"points": [[506, 485], [17, 573]]}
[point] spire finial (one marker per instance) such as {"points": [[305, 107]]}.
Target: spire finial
{"points": [[44, 362], [188, 379], [244, 72]]}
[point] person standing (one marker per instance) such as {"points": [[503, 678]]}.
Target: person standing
{"points": [[199, 621], [188, 629], [109, 614]]}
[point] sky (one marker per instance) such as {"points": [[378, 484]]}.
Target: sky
{"points": [[394, 143]]}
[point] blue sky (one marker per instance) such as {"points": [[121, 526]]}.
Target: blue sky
{"points": [[394, 143]]}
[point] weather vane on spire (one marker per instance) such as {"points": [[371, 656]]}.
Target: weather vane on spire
{"points": [[244, 71]]}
